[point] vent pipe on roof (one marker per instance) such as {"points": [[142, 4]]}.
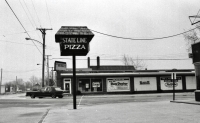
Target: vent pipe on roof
{"points": [[88, 62], [98, 61]]}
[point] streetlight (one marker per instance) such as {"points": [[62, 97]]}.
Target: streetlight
{"points": [[43, 58], [33, 40]]}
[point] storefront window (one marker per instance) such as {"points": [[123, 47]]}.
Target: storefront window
{"points": [[118, 84], [96, 85], [84, 85], [90, 85]]}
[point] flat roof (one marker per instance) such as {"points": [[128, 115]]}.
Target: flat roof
{"points": [[127, 74]]}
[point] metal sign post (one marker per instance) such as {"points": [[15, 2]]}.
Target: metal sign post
{"points": [[173, 87], [74, 81], [173, 77]]}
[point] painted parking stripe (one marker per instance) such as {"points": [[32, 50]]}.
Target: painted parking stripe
{"points": [[80, 101]]}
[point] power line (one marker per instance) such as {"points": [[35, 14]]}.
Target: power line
{"points": [[114, 36], [15, 42], [31, 17], [147, 57], [26, 13], [29, 13], [121, 59], [48, 13], [4, 35], [22, 71], [196, 16], [121, 55], [21, 24], [36, 13]]}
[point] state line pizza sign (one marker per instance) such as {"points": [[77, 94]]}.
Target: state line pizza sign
{"points": [[74, 40]]}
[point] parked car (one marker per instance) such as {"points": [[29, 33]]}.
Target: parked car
{"points": [[49, 91], [19, 91]]}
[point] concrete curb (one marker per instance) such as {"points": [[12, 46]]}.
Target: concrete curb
{"points": [[186, 102]]}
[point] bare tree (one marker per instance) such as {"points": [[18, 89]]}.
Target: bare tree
{"points": [[139, 64], [16, 84], [192, 37], [34, 80]]}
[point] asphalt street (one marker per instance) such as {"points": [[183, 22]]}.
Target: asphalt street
{"points": [[20, 109]]}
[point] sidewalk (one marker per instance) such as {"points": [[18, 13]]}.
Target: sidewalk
{"points": [[130, 112], [146, 94], [187, 101]]}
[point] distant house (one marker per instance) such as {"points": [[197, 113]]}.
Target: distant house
{"points": [[3, 89], [36, 87]]}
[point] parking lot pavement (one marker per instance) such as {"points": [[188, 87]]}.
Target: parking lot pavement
{"points": [[145, 112], [13, 96], [165, 111]]}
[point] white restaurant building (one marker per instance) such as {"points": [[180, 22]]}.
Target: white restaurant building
{"points": [[124, 79]]}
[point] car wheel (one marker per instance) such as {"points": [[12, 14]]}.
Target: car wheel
{"points": [[60, 96], [53, 96], [32, 96]]}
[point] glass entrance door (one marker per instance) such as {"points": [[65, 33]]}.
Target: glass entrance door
{"points": [[67, 85]]}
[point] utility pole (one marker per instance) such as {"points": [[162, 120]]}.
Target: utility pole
{"points": [[43, 31], [1, 80], [48, 69], [25, 86], [52, 74], [16, 85]]}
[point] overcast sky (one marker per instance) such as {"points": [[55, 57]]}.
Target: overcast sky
{"points": [[125, 18]]}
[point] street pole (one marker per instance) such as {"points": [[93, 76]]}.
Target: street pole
{"points": [[1, 80], [43, 60], [52, 75], [43, 31], [16, 85], [173, 87], [48, 69], [74, 81], [25, 86]]}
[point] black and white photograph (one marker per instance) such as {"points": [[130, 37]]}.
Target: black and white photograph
{"points": [[100, 61]]}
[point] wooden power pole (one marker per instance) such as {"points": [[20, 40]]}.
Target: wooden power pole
{"points": [[43, 31]]}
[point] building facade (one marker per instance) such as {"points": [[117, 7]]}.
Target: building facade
{"points": [[125, 79], [127, 82]]}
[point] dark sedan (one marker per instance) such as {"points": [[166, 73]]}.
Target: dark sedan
{"points": [[49, 91]]}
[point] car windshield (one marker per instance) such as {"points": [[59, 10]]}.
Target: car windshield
{"points": [[42, 89], [58, 89]]}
